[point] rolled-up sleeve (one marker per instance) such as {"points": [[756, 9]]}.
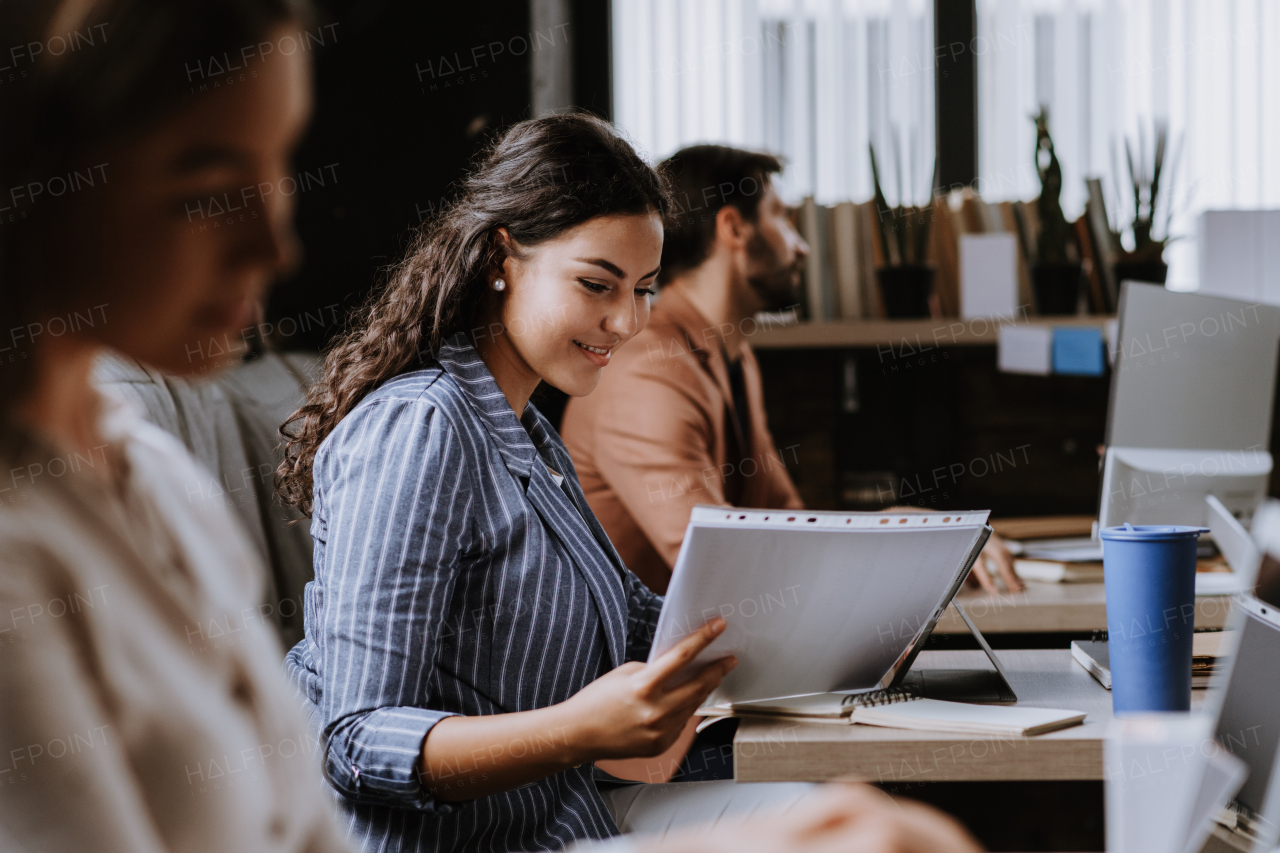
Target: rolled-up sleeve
{"points": [[395, 495]]}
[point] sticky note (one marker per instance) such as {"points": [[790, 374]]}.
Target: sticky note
{"points": [[1025, 349], [1078, 351]]}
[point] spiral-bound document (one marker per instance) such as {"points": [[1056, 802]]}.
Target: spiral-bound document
{"points": [[818, 708], [816, 602]]}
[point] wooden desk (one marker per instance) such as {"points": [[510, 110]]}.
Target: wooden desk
{"points": [[1050, 607], [784, 750]]}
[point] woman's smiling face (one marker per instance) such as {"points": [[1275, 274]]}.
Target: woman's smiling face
{"points": [[568, 303]]}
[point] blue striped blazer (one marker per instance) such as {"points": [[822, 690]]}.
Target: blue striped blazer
{"points": [[453, 576]]}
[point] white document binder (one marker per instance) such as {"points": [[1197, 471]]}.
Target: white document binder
{"points": [[816, 602]]}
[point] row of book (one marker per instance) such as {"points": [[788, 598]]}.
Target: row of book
{"points": [[845, 251]]}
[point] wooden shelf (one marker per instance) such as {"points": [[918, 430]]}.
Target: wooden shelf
{"points": [[919, 335]]}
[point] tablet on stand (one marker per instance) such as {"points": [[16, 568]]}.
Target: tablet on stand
{"points": [[827, 602]]}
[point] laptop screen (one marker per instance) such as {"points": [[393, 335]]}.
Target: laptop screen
{"points": [[1249, 725]]}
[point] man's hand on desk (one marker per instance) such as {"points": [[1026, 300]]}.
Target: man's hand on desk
{"points": [[842, 818], [995, 556]]}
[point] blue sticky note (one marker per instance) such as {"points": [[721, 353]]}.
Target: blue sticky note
{"points": [[1078, 350]]}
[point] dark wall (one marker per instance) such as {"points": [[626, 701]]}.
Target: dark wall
{"points": [[939, 428], [592, 42], [406, 93]]}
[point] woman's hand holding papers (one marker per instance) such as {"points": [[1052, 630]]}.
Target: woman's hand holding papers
{"points": [[843, 818], [638, 710]]}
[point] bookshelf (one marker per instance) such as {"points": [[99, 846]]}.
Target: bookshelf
{"points": [[917, 334]]}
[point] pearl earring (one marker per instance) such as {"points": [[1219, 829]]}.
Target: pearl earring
{"points": [[499, 284]]}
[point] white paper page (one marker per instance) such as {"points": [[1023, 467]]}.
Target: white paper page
{"points": [[811, 607], [988, 275], [1025, 349]]}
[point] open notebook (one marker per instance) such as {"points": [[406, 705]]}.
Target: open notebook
{"points": [[903, 708], [934, 715]]}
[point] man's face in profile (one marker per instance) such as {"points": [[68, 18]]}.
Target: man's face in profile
{"points": [[775, 255]]}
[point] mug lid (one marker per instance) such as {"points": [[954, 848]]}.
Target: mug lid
{"points": [[1151, 532]]}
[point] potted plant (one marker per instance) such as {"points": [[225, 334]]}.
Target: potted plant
{"points": [[906, 279], [1055, 263], [1144, 261]]}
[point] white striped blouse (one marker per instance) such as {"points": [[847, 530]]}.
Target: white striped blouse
{"points": [[453, 576]]}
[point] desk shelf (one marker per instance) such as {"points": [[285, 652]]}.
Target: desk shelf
{"points": [[943, 332]]}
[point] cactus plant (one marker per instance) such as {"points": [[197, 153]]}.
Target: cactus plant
{"points": [[1054, 240]]}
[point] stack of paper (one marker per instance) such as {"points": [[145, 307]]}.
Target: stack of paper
{"points": [[1073, 560], [1058, 571]]}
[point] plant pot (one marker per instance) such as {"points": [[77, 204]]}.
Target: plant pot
{"points": [[1057, 288], [905, 291], [1151, 272]]}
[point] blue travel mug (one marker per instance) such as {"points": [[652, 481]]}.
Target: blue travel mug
{"points": [[1150, 575]]}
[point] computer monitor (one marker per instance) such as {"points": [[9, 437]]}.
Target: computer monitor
{"points": [[1190, 412], [1248, 719]]}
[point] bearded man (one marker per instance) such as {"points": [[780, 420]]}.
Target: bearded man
{"points": [[679, 416]]}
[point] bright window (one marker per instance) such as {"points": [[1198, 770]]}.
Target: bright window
{"points": [[816, 80], [813, 81], [1106, 68]]}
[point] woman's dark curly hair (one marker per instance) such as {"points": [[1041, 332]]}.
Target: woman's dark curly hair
{"points": [[539, 179]]}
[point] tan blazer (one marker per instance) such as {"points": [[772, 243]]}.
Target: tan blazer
{"points": [[143, 708], [659, 435]]}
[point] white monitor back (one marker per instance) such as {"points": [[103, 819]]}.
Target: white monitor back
{"points": [[1192, 371], [1144, 485], [1240, 254]]}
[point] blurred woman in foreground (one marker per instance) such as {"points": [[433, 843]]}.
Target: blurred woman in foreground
{"points": [[126, 724]]}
